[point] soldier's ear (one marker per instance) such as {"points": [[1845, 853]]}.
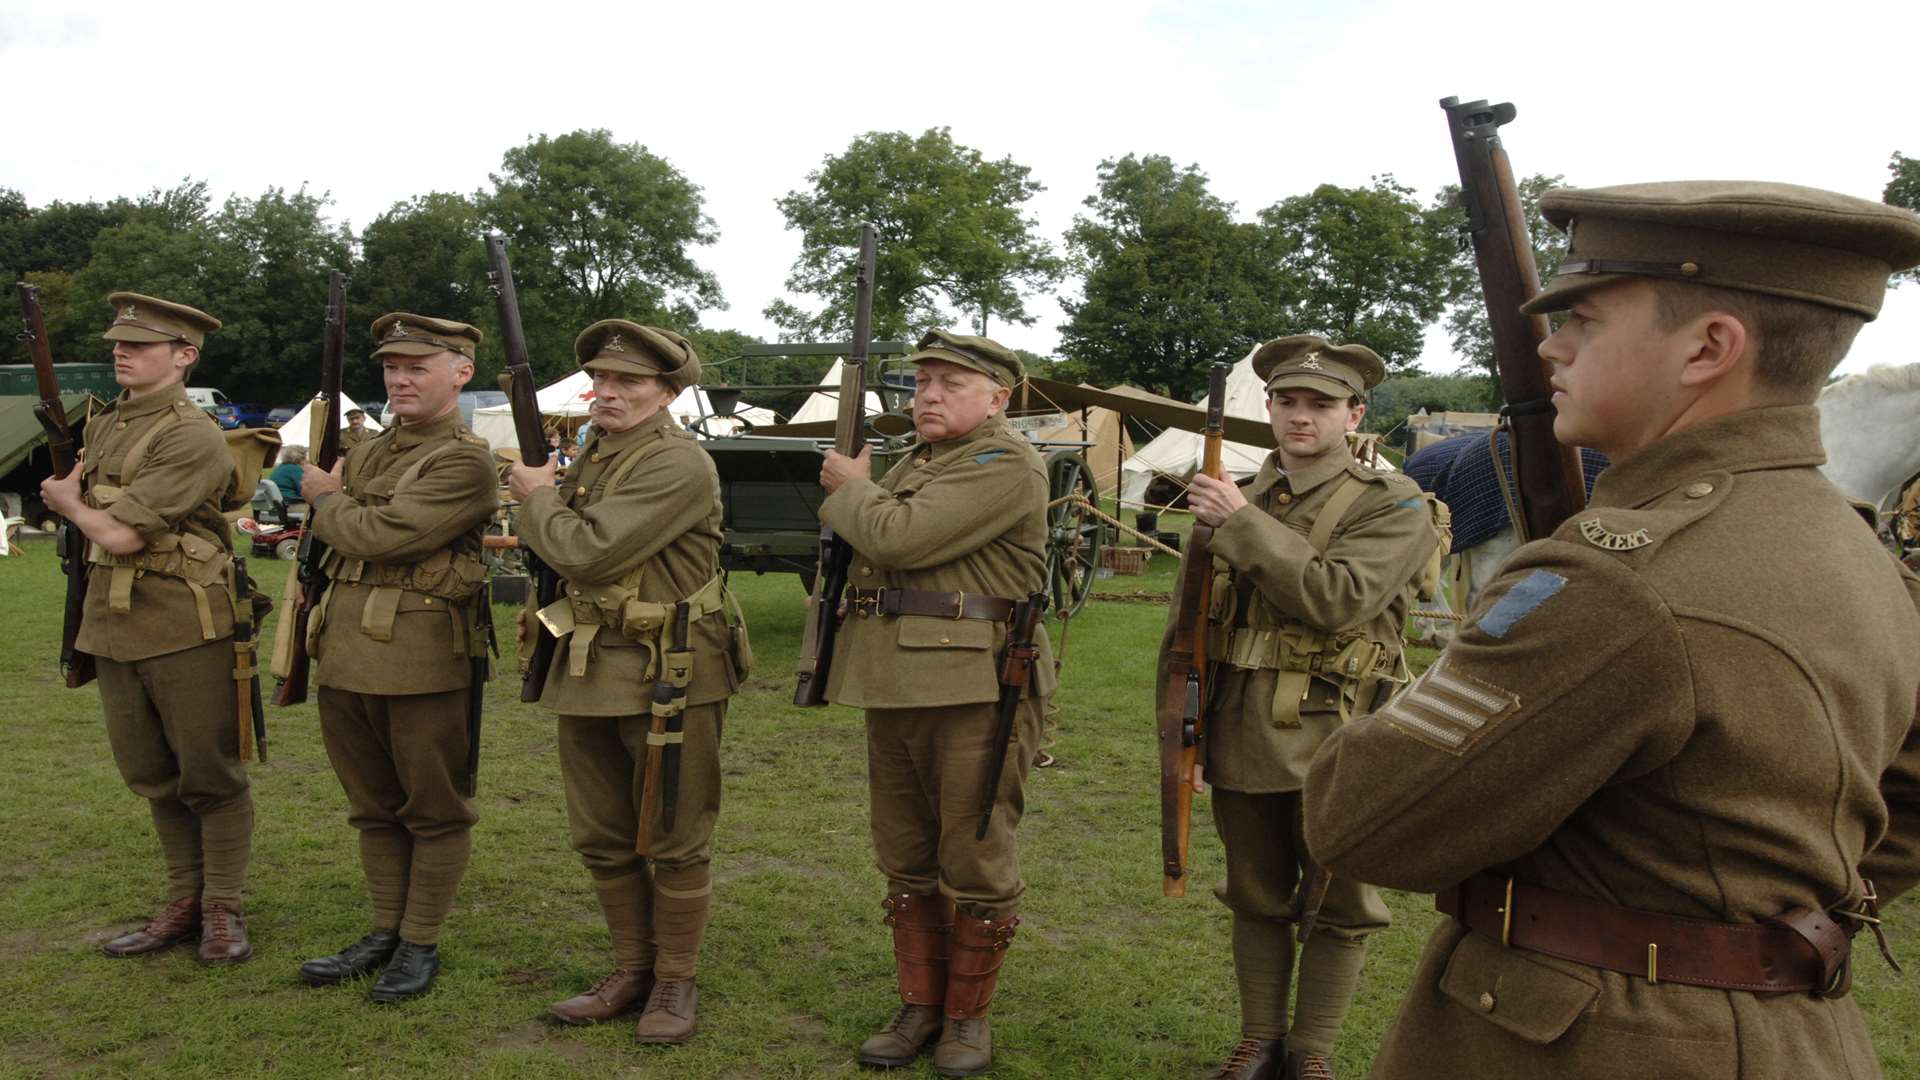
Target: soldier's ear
{"points": [[1001, 395]]}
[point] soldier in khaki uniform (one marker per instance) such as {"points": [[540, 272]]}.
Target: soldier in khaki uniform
{"points": [[356, 431], [149, 494], [395, 637], [943, 545], [635, 532], [1314, 562], [1672, 756]]}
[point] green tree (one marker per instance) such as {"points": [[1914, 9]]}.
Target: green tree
{"points": [[1170, 283], [1467, 317], [1903, 190], [598, 229], [1403, 395], [951, 236], [1365, 265]]}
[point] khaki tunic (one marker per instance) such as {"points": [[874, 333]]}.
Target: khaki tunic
{"points": [[441, 511], [179, 484], [967, 514], [351, 437], [662, 519], [1696, 698], [1360, 584]]}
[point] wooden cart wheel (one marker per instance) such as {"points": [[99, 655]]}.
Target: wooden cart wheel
{"points": [[1073, 533]]}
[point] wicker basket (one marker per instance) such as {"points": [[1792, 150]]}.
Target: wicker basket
{"points": [[1125, 560]]}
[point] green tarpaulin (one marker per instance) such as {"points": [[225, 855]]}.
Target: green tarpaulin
{"points": [[20, 430]]}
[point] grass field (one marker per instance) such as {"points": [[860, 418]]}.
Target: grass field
{"points": [[1106, 979]]}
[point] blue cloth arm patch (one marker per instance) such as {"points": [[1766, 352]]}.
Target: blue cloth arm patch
{"points": [[1521, 601], [985, 456], [1409, 504]]}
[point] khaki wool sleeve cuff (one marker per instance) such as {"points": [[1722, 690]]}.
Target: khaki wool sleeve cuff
{"points": [[139, 518]]}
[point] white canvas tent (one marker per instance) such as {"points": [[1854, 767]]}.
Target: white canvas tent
{"points": [[1176, 453], [571, 397], [825, 404], [298, 430], [1102, 428]]}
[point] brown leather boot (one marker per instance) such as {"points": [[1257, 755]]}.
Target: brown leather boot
{"points": [[223, 935], [979, 948], [177, 922], [1253, 1059], [615, 995], [670, 1015], [922, 933], [1307, 1067]]}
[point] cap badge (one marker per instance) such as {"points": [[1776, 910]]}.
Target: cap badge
{"points": [[614, 344], [399, 330], [127, 312], [1312, 362], [1602, 537]]}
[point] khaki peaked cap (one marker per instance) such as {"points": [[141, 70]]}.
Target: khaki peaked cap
{"points": [[1311, 362], [402, 333], [147, 318], [981, 354], [624, 345], [1783, 240]]}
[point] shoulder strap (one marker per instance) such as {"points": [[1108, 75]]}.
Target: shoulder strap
{"points": [[136, 454], [627, 461], [1336, 508]]}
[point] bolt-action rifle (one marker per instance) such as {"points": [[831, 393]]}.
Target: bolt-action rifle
{"points": [[324, 437], [530, 432], [849, 435], [1548, 483], [76, 667], [1182, 713]]}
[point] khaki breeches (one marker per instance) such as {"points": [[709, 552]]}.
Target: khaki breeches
{"points": [[926, 774], [603, 762], [173, 725], [1263, 840], [401, 759]]}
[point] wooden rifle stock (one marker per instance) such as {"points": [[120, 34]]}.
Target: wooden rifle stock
{"points": [[324, 437], [1183, 703], [849, 435], [529, 430], [1548, 481], [76, 667]]}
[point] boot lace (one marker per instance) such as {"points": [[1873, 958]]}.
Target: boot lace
{"points": [[610, 978], [667, 994], [174, 917], [216, 923], [1241, 1056], [902, 1020], [1315, 1067]]}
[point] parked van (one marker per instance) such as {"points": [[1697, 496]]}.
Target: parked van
{"points": [[214, 402]]}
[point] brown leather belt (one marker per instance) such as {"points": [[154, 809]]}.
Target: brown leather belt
{"points": [[936, 605], [1800, 951]]}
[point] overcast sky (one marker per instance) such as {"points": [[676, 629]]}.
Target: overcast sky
{"points": [[377, 102]]}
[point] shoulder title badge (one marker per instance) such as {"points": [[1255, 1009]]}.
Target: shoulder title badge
{"points": [[1600, 536]]}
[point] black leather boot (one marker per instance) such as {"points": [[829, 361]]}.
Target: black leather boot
{"points": [[363, 957], [408, 974]]}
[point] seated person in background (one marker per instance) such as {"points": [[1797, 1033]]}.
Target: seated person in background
{"points": [[286, 477]]}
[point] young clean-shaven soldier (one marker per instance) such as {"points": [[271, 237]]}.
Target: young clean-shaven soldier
{"points": [[943, 545], [635, 535], [1671, 758], [149, 494], [1315, 558], [394, 637]]}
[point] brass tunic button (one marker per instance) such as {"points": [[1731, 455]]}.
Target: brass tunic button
{"points": [[946, 641], [594, 457], [427, 600], [1486, 1002], [122, 424], [580, 490], [1700, 490], [575, 592], [1284, 498], [866, 571]]}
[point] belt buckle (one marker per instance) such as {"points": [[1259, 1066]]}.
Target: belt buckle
{"points": [[1506, 916], [869, 605], [959, 606]]}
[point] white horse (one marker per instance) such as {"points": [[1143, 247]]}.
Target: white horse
{"points": [[1870, 423]]}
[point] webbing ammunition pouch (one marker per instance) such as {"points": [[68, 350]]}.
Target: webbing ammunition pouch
{"points": [[585, 611], [1316, 671]]}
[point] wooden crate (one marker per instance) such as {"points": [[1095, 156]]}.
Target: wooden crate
{"points": [[1125, 560]]}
